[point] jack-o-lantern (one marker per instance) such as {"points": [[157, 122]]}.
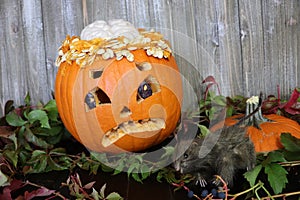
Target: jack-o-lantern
{"points": [[115, 94]]}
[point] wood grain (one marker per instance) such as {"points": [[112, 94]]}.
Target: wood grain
{"points": [[247, 45]]}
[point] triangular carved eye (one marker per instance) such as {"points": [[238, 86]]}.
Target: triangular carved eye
{"points": [[94, 74], [147, 88], [144, 90], [96, 97], [143, 66]]}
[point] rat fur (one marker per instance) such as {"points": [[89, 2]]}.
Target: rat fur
{"points": [[222, 153]]}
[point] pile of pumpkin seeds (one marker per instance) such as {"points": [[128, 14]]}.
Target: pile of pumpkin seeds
{"points": [[85, 52]]}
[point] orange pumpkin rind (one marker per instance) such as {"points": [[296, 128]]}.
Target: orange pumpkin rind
{"points": [[265, 130]]}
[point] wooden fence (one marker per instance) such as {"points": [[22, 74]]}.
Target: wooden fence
{"points": [[248, 45]]}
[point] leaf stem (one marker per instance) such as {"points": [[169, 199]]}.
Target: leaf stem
{"points": [[57, 194], [290, 164], [255, 188], [279, 195]]}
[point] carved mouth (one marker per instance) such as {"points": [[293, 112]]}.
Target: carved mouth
{"points": [[133, 128]]}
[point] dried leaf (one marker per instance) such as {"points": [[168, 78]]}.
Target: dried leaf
{"points": [[288, 106], [9, 106], [89, 185], [6, 131]]}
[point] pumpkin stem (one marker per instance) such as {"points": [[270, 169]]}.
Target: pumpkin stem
{"points": [[253, 116]]}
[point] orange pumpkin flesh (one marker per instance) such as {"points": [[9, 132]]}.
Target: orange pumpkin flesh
{"points": [[267, 136], [119, 80]]}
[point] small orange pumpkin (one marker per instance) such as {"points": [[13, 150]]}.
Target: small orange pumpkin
{"points": [[265, 130], [117, 100]]}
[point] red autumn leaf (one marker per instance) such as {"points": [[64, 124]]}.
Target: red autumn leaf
{"points": [[292, 106], [211, 81], [14, 185], [6, 131], [89, 185], [41, 192]]}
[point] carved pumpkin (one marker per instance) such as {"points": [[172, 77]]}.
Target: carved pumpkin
{"points": [[265, 130], [118, 99]]}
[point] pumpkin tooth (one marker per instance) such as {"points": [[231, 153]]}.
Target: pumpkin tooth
{"points": [[132, 127]]}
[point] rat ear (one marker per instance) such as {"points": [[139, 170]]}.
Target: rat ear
{"points": [[194, 144]]}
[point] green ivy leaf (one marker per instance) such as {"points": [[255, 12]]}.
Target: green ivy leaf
{"points": [[274, 156], [52, 165], [14, 120], [251, 176], [106, 168], [145, 171], [276, 177], [58, 151], [15, 140], [102, 190], [52, 111], [113, 196], [3, 179], [30, 137], [290, 142], [168, 152], [101, 157], [38, 163], [94, 168], [229, 111], [132, 167], [53, 131], [139, 158], [51, 105], [27, 99], [220, 100], [292, 156], [95, 194], [119, 168], [39, 115], [12, 156], [136, 177], [203, 129]]}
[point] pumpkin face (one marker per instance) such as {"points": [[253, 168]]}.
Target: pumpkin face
{"points": [[120, 105]]}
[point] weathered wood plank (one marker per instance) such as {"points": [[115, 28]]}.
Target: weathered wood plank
{"points": [[105, 10], [34, 51], [184, 46], [281, 34], [13, 79], [251, 30], [206, 27], [229, 45], [68, 19]]}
